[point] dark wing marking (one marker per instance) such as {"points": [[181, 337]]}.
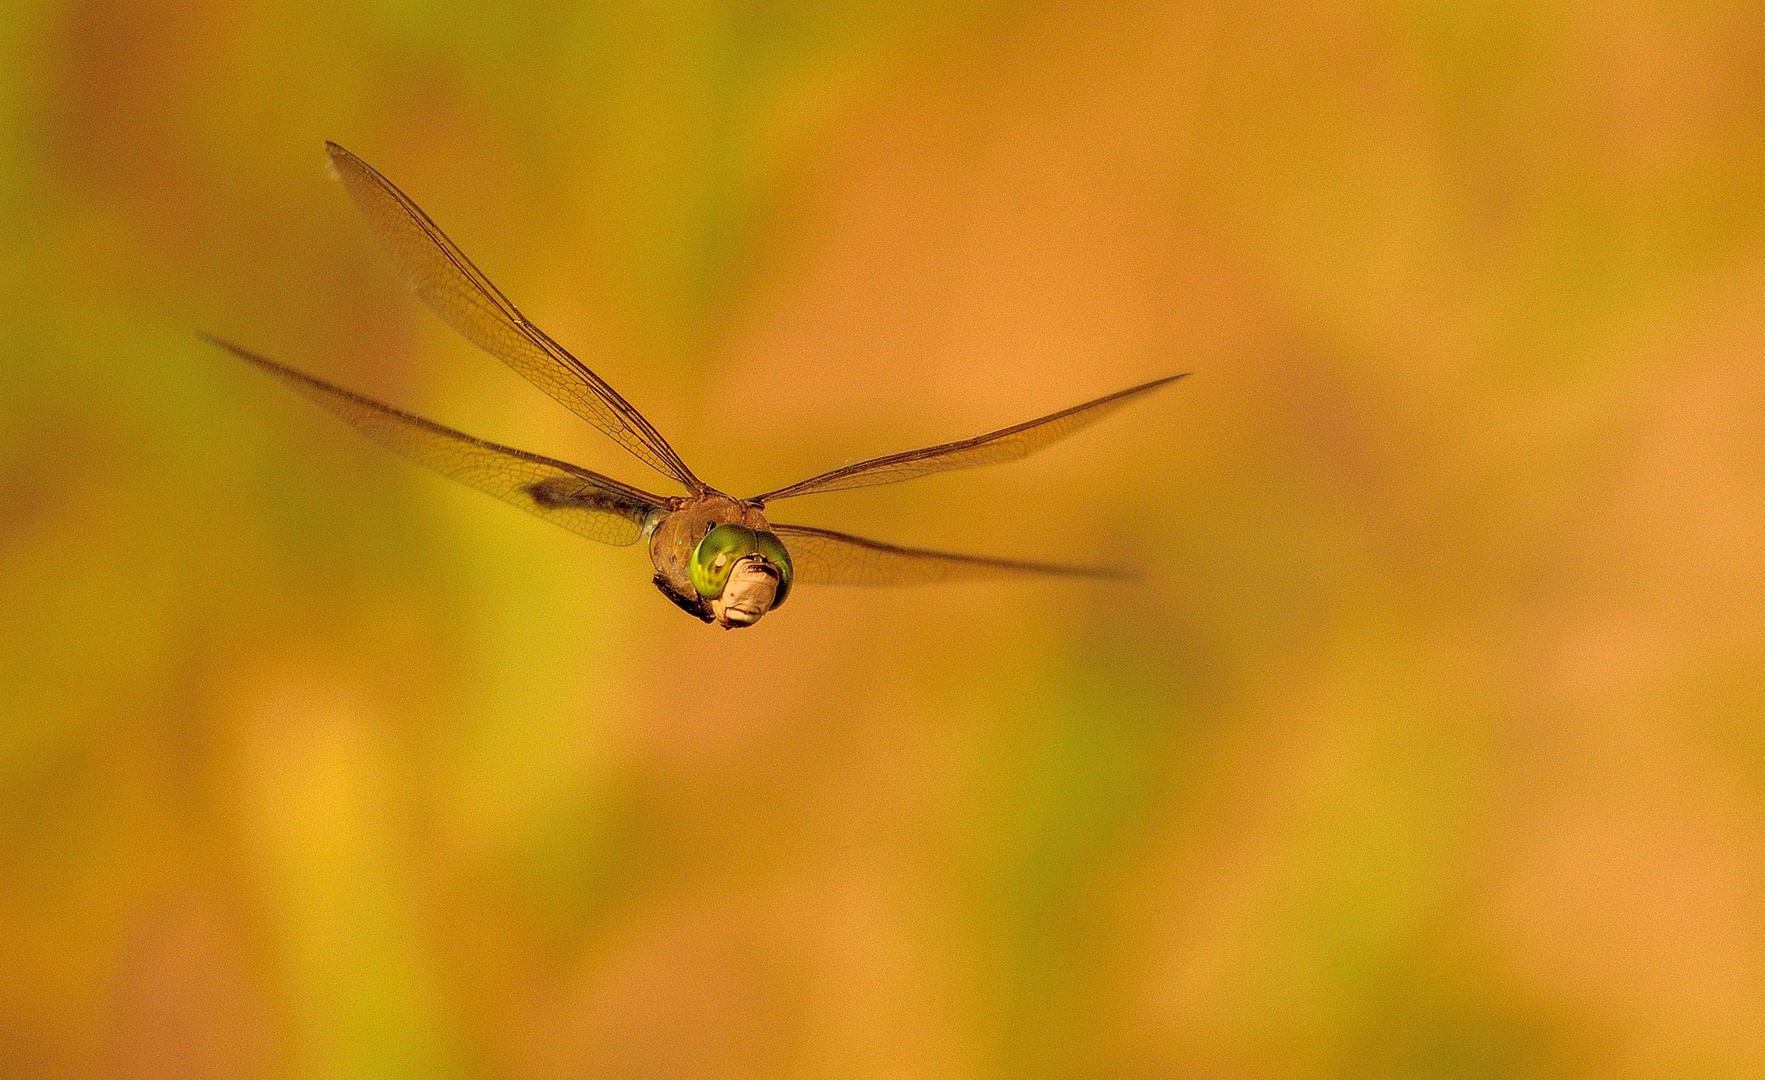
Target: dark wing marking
{"points": [[581, 501], [823, 557], [1006, 444], [446, 280]]}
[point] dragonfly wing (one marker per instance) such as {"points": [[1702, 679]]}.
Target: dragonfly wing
{"points": [[824, 557], [993, 448], [581, 501], [446, 280]]}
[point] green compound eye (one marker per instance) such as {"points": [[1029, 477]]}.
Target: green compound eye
{"points": [[772, 550], [727, 545], [717, 555]]}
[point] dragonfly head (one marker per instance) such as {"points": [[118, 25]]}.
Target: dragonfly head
{"points": [[742, 572]]}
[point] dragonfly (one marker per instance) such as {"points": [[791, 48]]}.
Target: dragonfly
{"points": [[717, 557]]}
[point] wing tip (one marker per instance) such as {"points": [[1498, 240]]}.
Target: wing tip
{"points": [[1117, 573], [333, 155], [1088, 573], [219, 342], [250, 357]]}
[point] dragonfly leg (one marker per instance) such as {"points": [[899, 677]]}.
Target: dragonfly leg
{"points": [[694, 606]]}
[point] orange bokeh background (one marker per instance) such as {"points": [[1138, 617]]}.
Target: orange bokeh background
{"points": [[1428, 743]]}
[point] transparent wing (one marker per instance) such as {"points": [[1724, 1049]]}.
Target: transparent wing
{"points": [[579, 500], [823, 557], [446, 280], [993, 448]]}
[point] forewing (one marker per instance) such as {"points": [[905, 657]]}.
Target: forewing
{"points": [[446, 280], [993, 448], [824, 557], [579, 500]]}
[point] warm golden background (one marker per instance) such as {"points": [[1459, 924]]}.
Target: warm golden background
{"points": [[1431, 744]]}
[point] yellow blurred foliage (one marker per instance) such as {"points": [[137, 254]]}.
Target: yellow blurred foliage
{"points": [[1429, 743]]}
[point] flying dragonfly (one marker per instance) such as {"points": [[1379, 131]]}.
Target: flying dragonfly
{"points": [[716, 556]]}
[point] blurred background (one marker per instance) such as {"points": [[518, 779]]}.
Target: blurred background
{"points": [[1429, 743]]}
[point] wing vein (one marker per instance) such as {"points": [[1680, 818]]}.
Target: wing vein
{"points": [[825, 557], [455, 289], [584, 502], [992, 448]]}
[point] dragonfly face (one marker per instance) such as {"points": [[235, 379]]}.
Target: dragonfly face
{"points": [[742, 573], [715, 556]]}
